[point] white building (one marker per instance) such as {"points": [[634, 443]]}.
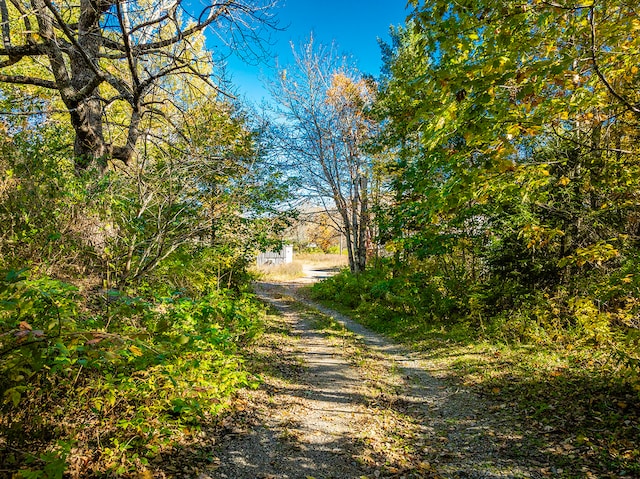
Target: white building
{"points": [[285, 255]]}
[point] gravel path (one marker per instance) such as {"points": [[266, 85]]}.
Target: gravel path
{"points": [[306, 430], [372, 409]]}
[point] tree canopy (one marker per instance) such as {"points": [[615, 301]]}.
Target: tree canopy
{"points": [[487, 186], [119, 68]]}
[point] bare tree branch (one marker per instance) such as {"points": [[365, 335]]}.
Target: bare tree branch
{"points": [[323, 134], [133, 48], [124, 25]]}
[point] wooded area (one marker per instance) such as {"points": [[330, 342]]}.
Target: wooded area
{"points": [[486, 184]]}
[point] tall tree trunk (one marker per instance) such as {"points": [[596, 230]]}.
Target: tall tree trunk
{"points": [[364, 223]]}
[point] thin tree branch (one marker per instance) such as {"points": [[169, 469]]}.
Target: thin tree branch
{"points": [[127, 45], [596, 67], [24, 80], [214, 14]]}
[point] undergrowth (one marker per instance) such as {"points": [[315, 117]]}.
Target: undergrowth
{"points": [[564, 369], [106, 384]]}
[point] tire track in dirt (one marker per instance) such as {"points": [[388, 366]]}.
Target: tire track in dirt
{"points": [[308, 429], [320, 424]]}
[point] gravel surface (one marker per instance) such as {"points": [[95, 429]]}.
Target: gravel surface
{"points": [[366, 409]]}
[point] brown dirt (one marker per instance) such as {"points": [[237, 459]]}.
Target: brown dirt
{"points": [[339, 405]]}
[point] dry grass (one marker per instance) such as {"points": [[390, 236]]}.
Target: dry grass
{"points": [[320, 260], [281, 272], [302, 261]]}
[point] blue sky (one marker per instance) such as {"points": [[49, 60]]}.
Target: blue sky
{"points": [[354, 25]]}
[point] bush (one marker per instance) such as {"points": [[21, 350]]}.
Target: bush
{"points": [[139, 371], [505, 311]]}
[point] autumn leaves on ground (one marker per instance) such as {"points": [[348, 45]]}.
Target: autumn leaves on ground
{"points": [[447, 408], [481, 191]]}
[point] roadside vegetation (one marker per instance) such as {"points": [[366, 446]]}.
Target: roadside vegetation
{"points": [[508, 221], [123, 315], [486, 186], [124, 299], [570, 384]]}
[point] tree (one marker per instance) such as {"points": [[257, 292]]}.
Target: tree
{"points": [[324, 128], [513, 127], [484, 96], [207, 190], [118, 66], [320, 229]]}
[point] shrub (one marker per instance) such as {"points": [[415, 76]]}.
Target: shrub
{"points": [[139, 371]]}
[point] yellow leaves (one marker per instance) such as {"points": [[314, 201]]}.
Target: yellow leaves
{"points": [[518, 129], [539, 236], [564, 181], [350, 96], [549, 49], [595, 325], [504, 152], [634, 70], [595, 254], [513, 130], [505, 165], [345, 89], [135, 350]]}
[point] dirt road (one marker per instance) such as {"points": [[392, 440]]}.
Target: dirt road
{"points": [[338, 401]]}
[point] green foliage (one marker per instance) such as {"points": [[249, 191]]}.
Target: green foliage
{"points": [[139, 369], [122, 313], [381, 295], [33, 317], [510, 132], [411, 305], [48, 465], [194, 271], [115, 228], [41, 200]]}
